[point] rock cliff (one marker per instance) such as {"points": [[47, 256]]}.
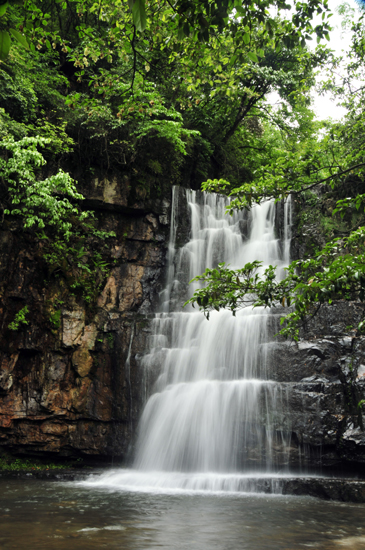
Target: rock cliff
{"points": [[324, 380], [70, 384], [73, 385]]}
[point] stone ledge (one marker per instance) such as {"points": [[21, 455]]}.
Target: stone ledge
{"points": [[343, 490]]}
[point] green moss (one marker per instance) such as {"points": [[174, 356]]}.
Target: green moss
{"points": [[19, 319], [110, 338], [16, 464]]}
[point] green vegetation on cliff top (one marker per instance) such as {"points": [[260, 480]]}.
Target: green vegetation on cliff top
{"points": [[324, 170], [168, 93]]}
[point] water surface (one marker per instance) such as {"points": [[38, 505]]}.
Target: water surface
{"points": [[65, 516]]}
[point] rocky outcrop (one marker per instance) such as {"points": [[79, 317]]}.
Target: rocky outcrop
{"points": [[70, 381], [323, 376]]}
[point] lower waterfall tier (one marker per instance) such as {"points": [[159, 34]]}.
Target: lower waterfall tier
{"points": [[212, 425], [175, 482]]}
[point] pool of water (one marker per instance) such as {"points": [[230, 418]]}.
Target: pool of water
{"points": [[68, 516]]}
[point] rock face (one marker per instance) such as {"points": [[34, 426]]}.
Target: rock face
{"points": [[324, 377], [73, 387]]}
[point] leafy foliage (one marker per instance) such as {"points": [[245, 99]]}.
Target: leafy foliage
{"points": [[50, 207], [40, 203], [7, 30], [162, 92], [334, 272], [20, 319], [330, 161], [9, 463]]}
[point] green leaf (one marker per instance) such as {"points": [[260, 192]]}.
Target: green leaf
{"points": [[3, 8], [20, 38], [5, 43], [246, 38], [252, 56], [139, 14]]}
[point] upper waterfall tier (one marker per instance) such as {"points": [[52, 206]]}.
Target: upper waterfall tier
{"points": [[217, 237]]}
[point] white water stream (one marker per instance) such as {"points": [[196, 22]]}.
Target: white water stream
{"points": [[214, 416]]}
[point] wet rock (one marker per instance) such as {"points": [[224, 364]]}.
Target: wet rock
{"points": [[108, 298], [57, 368], [360, 372], [327, 489], [315, 378], [131, 294], [73, 323], [324, 373], [82, 362], [109, 191], [78, 389], [6, 369]]}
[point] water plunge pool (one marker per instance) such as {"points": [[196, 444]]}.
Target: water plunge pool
{"points": [[69, 516]]}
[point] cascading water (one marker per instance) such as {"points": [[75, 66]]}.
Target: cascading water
{"points": [[213, 408], [214, 416]]}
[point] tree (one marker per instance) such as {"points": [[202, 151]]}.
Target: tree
{"points": [[50, 208], [7, 29], [332, 161], [102, 83], [137, 71]]}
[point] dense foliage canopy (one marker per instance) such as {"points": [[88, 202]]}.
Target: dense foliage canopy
{"points": [[326, 169], [179, 91]]}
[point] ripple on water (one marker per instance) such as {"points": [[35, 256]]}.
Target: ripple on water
{"points": [[135, 521]]}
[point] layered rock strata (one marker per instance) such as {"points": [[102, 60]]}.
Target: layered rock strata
{"points": [[73, 387], [324, 374], [77, 389]]}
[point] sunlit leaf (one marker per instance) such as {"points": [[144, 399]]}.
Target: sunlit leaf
{"points": [[20, 38], [139, 14], [3, 8], [252, 56]]}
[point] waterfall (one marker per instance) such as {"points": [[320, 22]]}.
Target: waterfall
{"points": [[214, 416], [213, 407]]}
